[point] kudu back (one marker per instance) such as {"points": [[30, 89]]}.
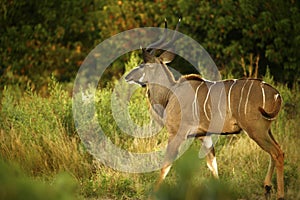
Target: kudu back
{"points": [[189, 106]]}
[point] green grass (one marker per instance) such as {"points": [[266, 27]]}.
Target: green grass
{"points": [[42, 155]]}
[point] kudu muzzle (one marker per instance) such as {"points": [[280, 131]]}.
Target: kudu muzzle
{"points": [[136, 76]]}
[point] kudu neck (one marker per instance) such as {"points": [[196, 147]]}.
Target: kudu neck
{"points": [[159, 91]]}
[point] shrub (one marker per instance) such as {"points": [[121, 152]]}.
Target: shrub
{"points": [[38, 132]]}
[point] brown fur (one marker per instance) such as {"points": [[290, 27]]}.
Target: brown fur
{"points": [[271, 115]]}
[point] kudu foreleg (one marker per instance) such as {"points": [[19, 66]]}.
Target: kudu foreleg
{"points": [[170, 156], [211, 162]]}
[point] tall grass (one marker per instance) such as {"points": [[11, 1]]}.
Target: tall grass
{"points": [[37, 135], [35, 132]]}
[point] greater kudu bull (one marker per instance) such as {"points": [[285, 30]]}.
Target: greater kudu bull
{"points": [[188, 106]]}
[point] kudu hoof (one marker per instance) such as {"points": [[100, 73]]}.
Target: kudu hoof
{"points": [[268, 189]]}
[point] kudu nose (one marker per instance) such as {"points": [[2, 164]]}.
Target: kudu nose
{"points": [[132, 75], [127, 78], [135, 76]]}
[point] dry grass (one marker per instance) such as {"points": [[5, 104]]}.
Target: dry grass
{"points": [[38, 135]]}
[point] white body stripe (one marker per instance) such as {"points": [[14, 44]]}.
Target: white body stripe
{"points": [[195, 104], [220, 99], [241, 98], [247, 98], [263, 96], [229, 93], [207, 99]]}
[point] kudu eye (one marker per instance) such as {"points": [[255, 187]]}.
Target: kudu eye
{"points": [[151, 65]]}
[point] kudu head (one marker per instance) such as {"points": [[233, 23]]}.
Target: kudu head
{"points": [[154, 68]]}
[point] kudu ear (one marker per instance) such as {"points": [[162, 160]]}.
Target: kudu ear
{"points": [[167, 57], [147, 57]]}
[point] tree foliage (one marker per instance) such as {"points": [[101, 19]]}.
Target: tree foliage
{"points": [[43, 37], [244, 37]]}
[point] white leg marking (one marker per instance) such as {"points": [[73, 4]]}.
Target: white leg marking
{"points": [[229, 93], [195, 104], [241, 98], [166, 171], [204, 106], [263, 95], [215, 167], [245, 110]]}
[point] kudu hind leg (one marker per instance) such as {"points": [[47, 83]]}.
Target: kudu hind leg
{"points": [[268, 179], [266, 141], [211, 162], [209, 150]]}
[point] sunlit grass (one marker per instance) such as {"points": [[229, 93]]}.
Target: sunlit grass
{"points": [[37, 135]]}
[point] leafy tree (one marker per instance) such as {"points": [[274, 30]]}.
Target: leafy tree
{"points": [[39, 38], [244, 37], [244, 31]]}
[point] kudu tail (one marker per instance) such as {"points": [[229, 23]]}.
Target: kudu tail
{"points": [[272, 115]]}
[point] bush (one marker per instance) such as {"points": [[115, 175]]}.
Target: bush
{"points": [[39, 134], [16, 185]]}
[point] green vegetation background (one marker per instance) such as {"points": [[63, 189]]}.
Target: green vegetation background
{"points": [[42, 45]]}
